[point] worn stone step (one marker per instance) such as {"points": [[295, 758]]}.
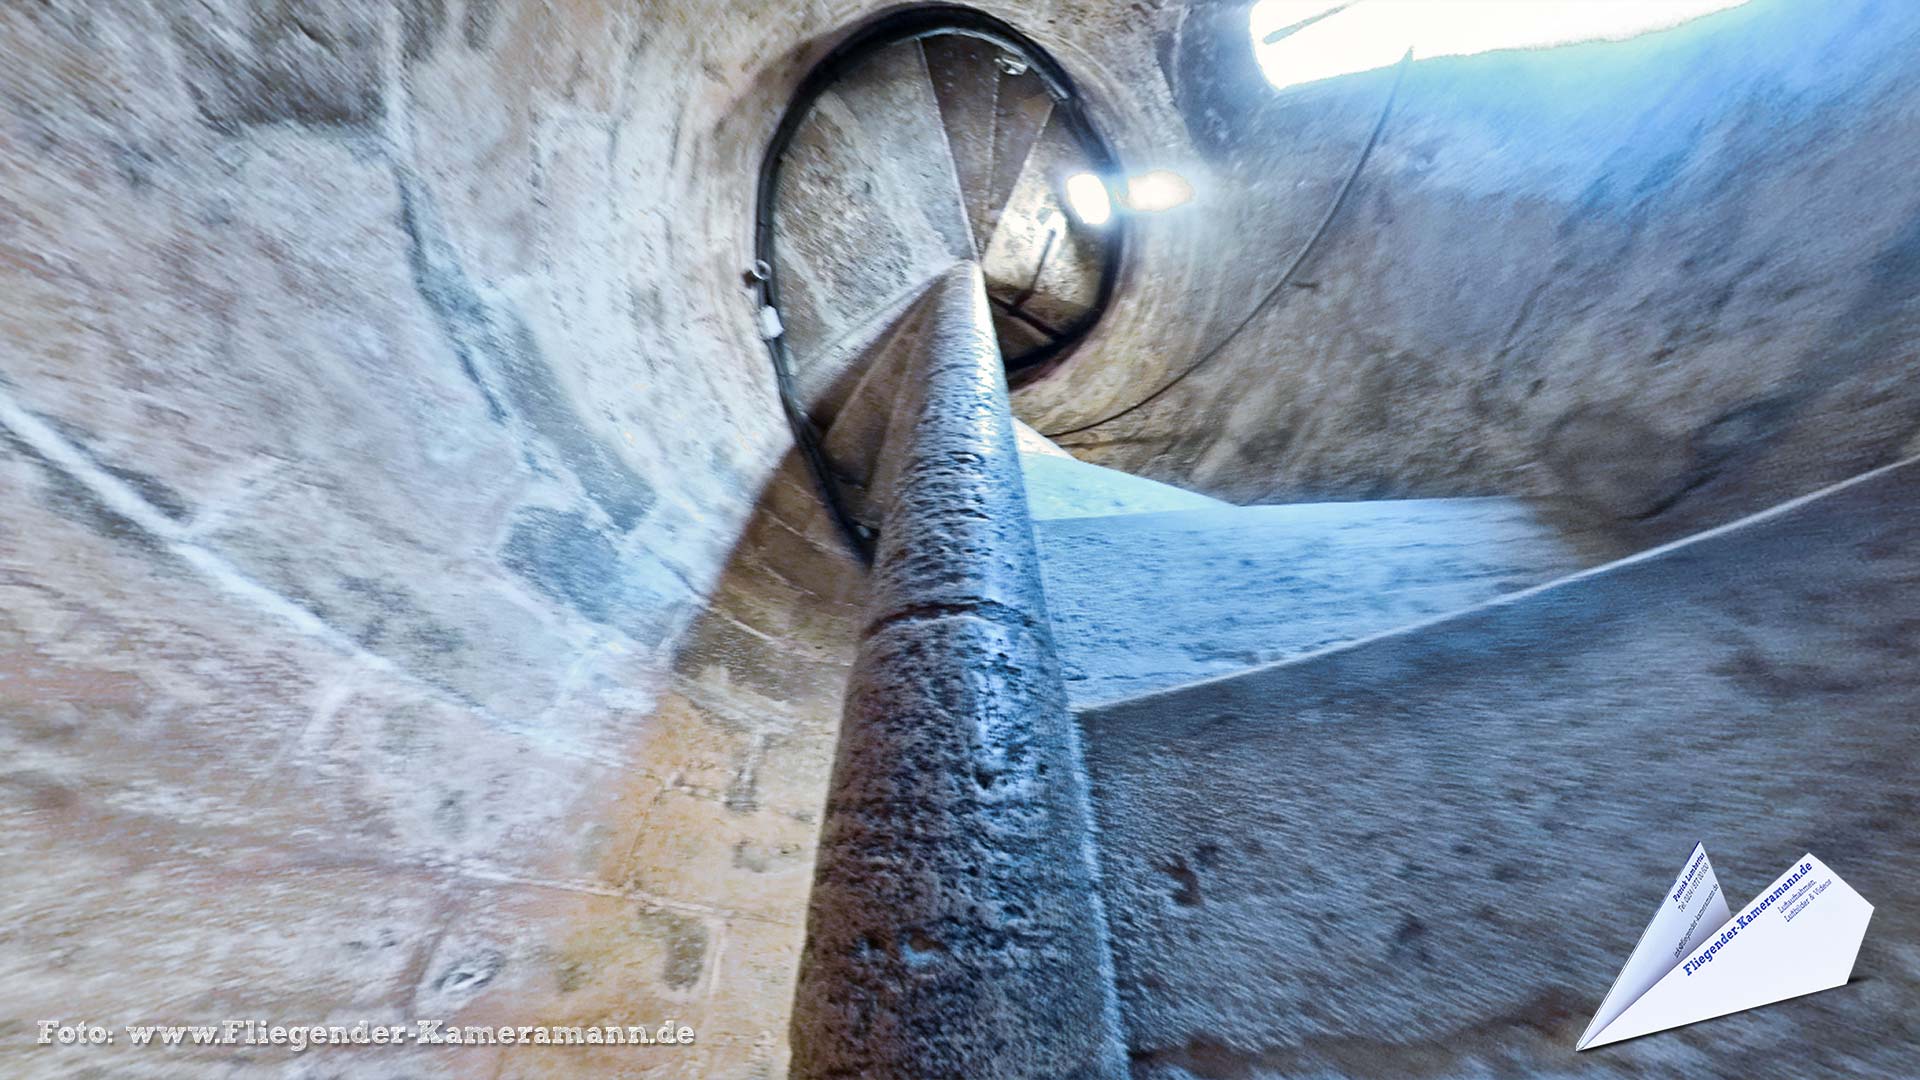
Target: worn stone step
{"points": [[968, 86], [1061, 486], [882, 211], [1038, 259], [1022, 110], [1143, 602], [1433, 848]]}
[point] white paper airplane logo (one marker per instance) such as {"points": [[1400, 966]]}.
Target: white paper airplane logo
{"points": [[1696, 961]]}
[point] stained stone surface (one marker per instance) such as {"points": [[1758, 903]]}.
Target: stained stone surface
{"points": [[404, 611], [1428, 854]]}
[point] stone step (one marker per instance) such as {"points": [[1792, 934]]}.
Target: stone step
{"points": [[967, 84], [1147, 601], [1037, 260], [1022, 111], [1061, 486], [883, 211], [1469, 821]]}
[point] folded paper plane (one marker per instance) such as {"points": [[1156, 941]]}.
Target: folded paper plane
{"points": [[1697, 960]]}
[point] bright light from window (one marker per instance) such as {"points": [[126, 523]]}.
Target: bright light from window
{"points": [[1161, 189], [1298, 41], [1087, 197]]}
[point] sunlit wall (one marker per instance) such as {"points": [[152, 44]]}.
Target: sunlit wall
{"points": [[1300, 41]]}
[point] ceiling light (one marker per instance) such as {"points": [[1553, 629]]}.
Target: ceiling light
{"points": [[1088, 199], [1161, 189]]}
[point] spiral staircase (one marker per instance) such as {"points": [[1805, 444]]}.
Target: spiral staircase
{"points": [[1351, 765]]}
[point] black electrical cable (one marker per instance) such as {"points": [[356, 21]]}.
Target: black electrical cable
{"points": [[1286, 277]]}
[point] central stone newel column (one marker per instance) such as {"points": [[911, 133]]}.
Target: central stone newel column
{"points": [[955, 930]]}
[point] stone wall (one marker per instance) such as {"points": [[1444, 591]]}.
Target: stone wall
{"points": [[1670, 278], [402, 609]]}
